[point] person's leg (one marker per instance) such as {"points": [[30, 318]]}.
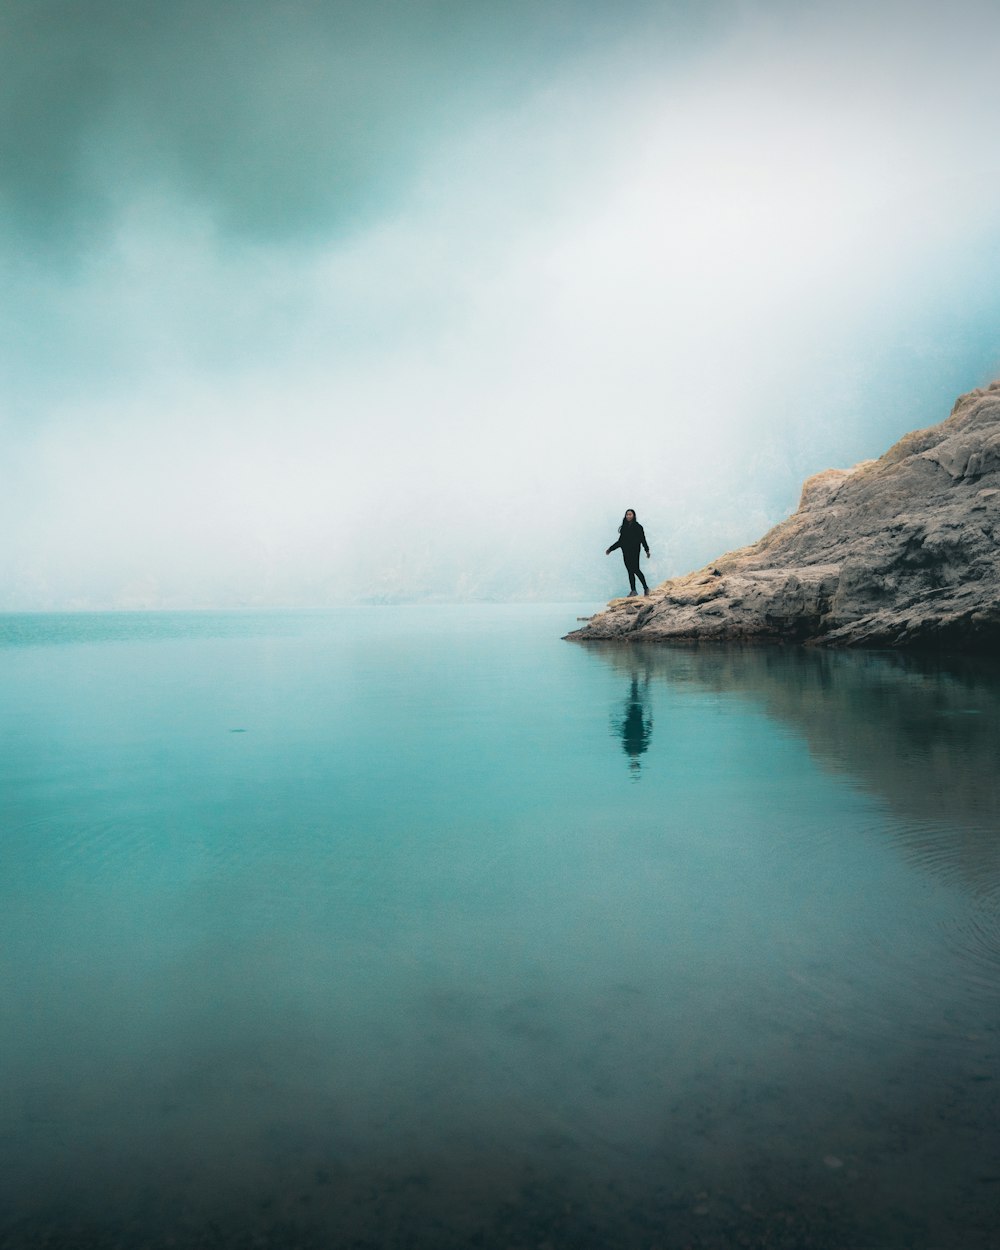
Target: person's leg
{"points": [[630, 569], [645, 587]]}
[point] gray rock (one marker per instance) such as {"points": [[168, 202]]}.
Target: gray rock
{"points": [[903, 551]]}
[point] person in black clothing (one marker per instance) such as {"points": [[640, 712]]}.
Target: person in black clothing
{"points": [[631, 537]]}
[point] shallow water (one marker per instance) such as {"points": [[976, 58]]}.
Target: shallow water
{"points": [[422, 927]]}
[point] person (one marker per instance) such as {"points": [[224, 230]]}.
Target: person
{"points": [[631, 536]]}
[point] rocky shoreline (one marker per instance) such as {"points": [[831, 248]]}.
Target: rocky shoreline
{"points": [[903, 551]]}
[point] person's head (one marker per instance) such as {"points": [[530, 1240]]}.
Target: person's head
{"points": [[628, 518]]}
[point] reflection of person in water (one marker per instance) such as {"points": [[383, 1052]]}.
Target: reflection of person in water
{"points": [[631, 537], [637, 726]]}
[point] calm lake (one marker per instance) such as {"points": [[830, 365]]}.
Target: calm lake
{"points": [[421, 927]]}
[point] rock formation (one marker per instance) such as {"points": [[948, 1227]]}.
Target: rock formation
{"points": [[903, 551]]}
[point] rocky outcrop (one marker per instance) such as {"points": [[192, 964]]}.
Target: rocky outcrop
{"points": [[903, 551]]}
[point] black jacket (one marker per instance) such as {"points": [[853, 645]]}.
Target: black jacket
{"points": [[632, 537]]}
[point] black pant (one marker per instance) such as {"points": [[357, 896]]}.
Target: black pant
{"points": [[633, 570]]}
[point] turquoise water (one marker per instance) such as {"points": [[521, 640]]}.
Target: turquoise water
{"points": [[422, 927]]}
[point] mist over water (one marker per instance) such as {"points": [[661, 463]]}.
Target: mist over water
{"points": [[409, 303], [419, 926]]}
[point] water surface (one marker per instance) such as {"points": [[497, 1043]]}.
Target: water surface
{"points": [[422, 927]]}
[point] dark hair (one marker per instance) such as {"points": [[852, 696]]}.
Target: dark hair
{"points": [[635, 519]]}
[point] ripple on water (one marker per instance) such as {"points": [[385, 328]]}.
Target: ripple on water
{"points": [[966, 858], [77, 848], [975, 936], [886, 975], [965, 854]]}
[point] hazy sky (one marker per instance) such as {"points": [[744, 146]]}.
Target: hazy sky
{"points": [[317, 301]]}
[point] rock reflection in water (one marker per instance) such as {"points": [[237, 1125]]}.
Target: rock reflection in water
{"points": [[920, 733]]}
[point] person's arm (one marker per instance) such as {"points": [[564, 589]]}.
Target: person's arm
{"points": [[613, 547], [642, 535]]}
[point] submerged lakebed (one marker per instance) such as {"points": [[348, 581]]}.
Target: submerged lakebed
{"points": [[419, 926]]}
